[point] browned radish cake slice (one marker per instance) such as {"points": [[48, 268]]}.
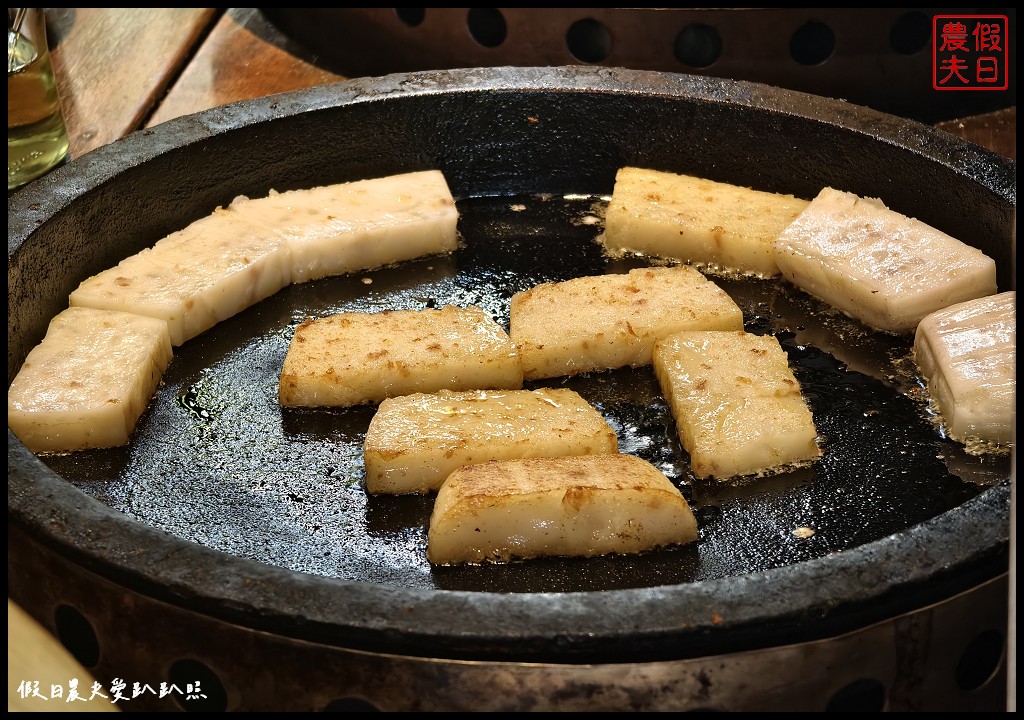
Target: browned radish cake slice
{"points": [[360, 225], [356, 358], [610, 321], [415, 441], [569, 506], [700, 221], [967, 353], [88, 382], [738, 408]]}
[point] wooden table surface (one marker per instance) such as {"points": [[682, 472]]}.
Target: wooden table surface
{"points": [[123, 70]]}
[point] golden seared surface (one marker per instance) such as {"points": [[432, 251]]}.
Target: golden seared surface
{"points": [[356, 358], [414, 442], [737, 406], [196, 277], [697, 220], [569, 506], [360, 225], [231, 259], [610, 321]]}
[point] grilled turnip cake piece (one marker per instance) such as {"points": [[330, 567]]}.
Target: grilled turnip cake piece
{"points": [[967, 354], [878, 266], [227, 261], [89, 380], [414, 442], [737, 405], [583, 506], [361, 225], [356, 358], [610, 321], [699, 221], [194, 278]]}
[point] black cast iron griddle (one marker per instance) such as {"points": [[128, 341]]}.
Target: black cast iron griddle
{"points": [[229, 504], [218, 462]]}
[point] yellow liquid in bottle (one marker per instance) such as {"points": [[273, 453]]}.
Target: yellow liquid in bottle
{"points": [[37, 139]]}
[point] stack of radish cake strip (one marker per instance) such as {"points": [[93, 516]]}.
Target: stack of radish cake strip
{"points": [[207, 272]]}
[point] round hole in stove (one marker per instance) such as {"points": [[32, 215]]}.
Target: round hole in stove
{"points": [[199, 689], [910, 33], [698, 46], [350, 704], [588, 40], [980, 660], [813, 43], [863, 695], [77, 634], [487, 26], [412, 17]]}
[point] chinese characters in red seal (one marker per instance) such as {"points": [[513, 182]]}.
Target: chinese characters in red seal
{"points": [[969, 52]]}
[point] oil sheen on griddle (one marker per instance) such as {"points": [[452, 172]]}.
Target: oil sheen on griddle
{"points": [[216, 461]]}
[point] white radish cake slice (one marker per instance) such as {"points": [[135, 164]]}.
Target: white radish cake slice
{"points": [[878, 266], [357, 358], [361, 225], [699, 221], [414, 442], [227, 261], [611, 321], [967, 354], [737, 405], [196, 277], [580, 506], [89, 380]]}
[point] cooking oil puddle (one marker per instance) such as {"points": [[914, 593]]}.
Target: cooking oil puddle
{"points": [[203, 401]]}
